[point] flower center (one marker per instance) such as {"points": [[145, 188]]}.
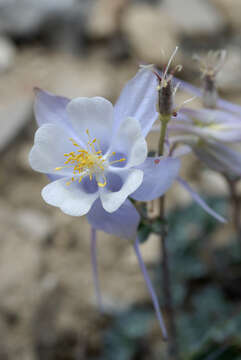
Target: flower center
{"points": [[88, 162], [210, 125]]}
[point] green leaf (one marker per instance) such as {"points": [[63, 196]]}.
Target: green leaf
{"points": [[144, 230]]}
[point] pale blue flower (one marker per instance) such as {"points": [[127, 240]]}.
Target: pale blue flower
{"points": [[210, 133], [207, 124], [96, 155]]}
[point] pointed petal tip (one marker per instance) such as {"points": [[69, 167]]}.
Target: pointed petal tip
{"points": [[223, 220], [165, 337], [150, 289], [195, 196], [37, 90], [40, 93]]}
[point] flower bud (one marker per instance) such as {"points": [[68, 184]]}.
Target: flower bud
{"points": [[210, 65]]}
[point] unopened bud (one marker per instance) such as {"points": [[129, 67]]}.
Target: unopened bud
{"points": [[165, 98], [210, 65], [166, 90]]}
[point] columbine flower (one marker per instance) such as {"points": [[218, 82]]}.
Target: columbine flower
{"points": [[220, 157], [209, 133], [207, 124], [96, 155]]}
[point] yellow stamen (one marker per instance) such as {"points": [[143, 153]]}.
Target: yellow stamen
{"points": [[116, 161], [88, 162], [102, 184]]}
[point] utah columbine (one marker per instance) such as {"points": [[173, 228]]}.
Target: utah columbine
{"points": [[96, 155]]}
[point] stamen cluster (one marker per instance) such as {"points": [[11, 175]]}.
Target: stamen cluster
{"points": [[88, 161]]}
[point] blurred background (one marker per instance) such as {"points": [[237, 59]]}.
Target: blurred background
{"points": [[47, 303]]}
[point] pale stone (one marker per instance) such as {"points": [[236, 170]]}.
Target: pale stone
{"points": [[7, 54], [150, 251], [101, 25], [195, 17], [37, 225], [221, 237], [150, 32], [27, 17], [229, 77], [213, 183], [231, 9], [177, 196], [14, 116]]}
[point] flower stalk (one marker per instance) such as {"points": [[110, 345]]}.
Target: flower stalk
{"points": [[164, 122], [165, 109], [80, 144], [166, 284]]}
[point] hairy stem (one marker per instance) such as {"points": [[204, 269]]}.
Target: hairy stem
{"points": [[164, 122], [166, 287], [173, 353]]}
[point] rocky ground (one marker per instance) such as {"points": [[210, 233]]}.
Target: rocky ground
{"points": [[85, 48]]}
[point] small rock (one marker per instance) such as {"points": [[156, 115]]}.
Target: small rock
{"points": [[150, 251], [19, 18], [229, 77], [150, 33], [55, 19], [195, 17], [22, 156], [7, 54], [231, 9], [221, 236], [213, 183], [177, 196], [35, 223], [20, 264], [14, 117], [100, 25]]}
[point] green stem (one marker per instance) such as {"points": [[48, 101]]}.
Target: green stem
{"points": [[164, 121], [166, 276]]}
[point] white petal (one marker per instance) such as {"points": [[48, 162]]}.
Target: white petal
{"points": [[51, 142], [130, 141], [71, 199], [94, 114], [111, 201]]}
